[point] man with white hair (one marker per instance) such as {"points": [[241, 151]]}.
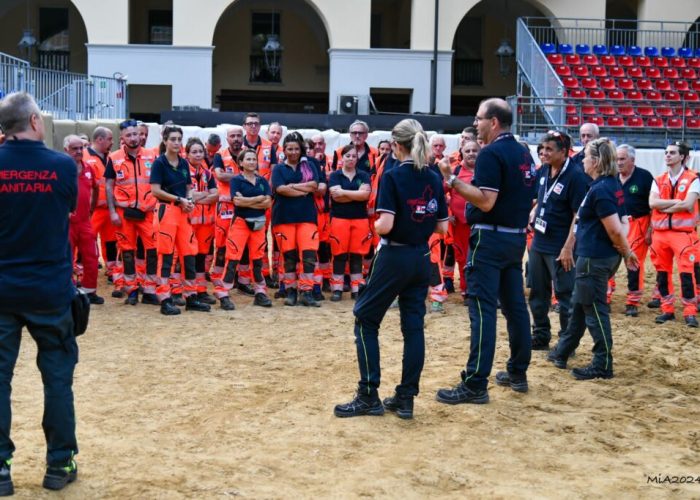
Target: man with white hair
{"points": [[437, 147], [587, 133], [636, 186]]}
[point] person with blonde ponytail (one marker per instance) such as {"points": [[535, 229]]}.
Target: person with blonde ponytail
{"points": [[411, 207]]}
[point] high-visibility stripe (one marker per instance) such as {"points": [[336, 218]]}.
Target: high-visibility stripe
{"points": [[364, 348], [481, 317]]}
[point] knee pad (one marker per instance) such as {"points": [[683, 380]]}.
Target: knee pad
{"points": [[290, 261], [696, 271], [308, 258], [111, 247], [339, 262], [151, 261], [245, 258], [257, 270], [324, 252], [190, 271], [220, 257], [166, 265], [687, 286], [355, 263], [129, 262], [633, 280], [230, 273], [662, 282], [139, 249], [200, 263]]}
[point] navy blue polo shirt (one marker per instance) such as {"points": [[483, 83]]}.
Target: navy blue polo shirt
{"points": [[636, 190], [38, 190], [288, 209], [417, 200], [563, 194], [603, 199], [505, 166], [351, 209], [577, 159], [172, 180], [240, 184]]}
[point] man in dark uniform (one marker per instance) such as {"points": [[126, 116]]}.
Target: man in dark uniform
{"points": [[636, 186], [38, 191], [499, 201]]}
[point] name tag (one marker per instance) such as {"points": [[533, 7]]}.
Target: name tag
{"points": [[558, 187], [540, 225], [226, 214]]}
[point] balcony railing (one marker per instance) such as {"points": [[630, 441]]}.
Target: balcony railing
{"points": [[468, 71]]}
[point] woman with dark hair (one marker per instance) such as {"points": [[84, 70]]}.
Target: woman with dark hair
{"points": [[411, 207], [171, 184], [350, 234], [600, 241], [204, 197], [294, 219]]}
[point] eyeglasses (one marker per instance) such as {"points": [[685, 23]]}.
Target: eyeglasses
{"points": [[128, 123], [252, 124], [358, 133]]}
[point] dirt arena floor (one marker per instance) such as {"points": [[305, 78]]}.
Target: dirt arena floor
{"points": [[240, 404]]}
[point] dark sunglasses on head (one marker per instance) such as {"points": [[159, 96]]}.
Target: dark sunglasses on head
{"points": [[127, 124]]}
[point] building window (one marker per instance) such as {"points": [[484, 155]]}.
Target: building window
{"points": [[265, 68], [54, 47], [160, 27], [390, 24], [468, 58]]}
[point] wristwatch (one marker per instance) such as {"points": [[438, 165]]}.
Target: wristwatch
{"points": [[451, 180]]}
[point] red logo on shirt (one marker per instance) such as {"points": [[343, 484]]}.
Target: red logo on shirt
{"points": [[422, 207]]}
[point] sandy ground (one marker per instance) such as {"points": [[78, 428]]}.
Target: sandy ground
{"points": [[240, 404]]}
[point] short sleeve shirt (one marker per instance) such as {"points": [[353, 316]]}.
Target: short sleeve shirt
{"points": [[86, 184], [506, 167], [603, 199], [417, 200], [636, 190], [172, 180], [558, 199], [288, 209], [240, 184], [351, 209]]}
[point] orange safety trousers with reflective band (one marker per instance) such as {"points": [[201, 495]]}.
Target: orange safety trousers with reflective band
{"points": [[173, 234], [240, 236], [103, 227], [297, 237], [683, 246], [126, 236], [350, 236], [636, 239], [437, 292]]}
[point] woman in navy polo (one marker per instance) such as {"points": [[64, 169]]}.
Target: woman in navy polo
{"points": [[411, 207], [294, 219], [350, 235], [600, 240]]}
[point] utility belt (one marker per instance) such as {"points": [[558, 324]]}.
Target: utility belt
{"points": [[390, 243], [500, 229], [255, 223]]}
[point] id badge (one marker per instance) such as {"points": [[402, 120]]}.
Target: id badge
{"points": [[540, 225], [226, 214]]}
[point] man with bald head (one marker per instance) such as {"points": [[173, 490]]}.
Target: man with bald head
{"points": [[587, 133], [274, 135], [437, 147]]}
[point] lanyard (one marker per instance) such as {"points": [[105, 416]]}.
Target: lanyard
{"points": [[548, 192]]}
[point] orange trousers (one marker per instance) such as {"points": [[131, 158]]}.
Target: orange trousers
{"points": [[174, 233], [683, 247], [298, 242]]}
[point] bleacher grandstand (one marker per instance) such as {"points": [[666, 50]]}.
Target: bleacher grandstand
{"points": [[642, 94]]}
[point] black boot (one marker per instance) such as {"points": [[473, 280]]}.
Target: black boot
{"points": [[307, 299], [291, 299], [192, 303], [226, 304], [262, 300], [205, 298], [178, 300], [168, 308]]}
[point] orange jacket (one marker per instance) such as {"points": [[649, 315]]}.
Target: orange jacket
{"points": [[679, 221], [92, 158], [230, 167], [132, 186], [202, 214], [263, 150], [372, 201], [372, 156]]}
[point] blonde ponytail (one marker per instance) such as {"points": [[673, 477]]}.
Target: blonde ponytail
{"points": [[410, 134]]}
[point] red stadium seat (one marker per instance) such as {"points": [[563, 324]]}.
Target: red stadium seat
{"points": [[607, 110], [570, 109], [695, 85], [572, 59], [616, 71], [670, 73], [625, 84], [674, 123], [663, 85], [696, 111], [635, 72], [634, 95], [681, 86], [599, 71], [616, 94], [645, 110], [589, 83], [665, 111], [683, 111], [654, 121], [642, 61], [596, 94], [570, 82], [660, 62], [590, 60], [672, 96], [608, 60], [689, 73], [625, 111], [693, 123], [694, 62], [555, 59], [691, 97], [652, 72], [615, 121], [607, 83], [652, 95], [588, 109], [580, 70], [634, 121], [573, 121], [678, 62], [577, 93], [628, 61], [562, 70], [598, 120], [644, 84]]}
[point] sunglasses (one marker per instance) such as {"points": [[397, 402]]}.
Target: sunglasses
{"points": [[128, 123]]}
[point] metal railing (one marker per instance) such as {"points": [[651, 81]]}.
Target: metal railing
{"points": [[641, 123], [533, 66], [620, 31], [468, 72], [65, 95]]}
